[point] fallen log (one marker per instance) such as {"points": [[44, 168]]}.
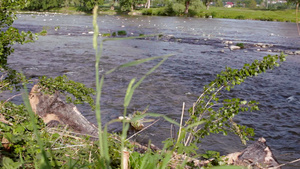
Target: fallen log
{"points": [[55, 112]]}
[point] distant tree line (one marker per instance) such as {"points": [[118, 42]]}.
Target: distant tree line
{"points": [[43, 5], [180, 6]]}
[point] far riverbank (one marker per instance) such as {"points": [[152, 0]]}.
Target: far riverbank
{"points": [[286, 15]]}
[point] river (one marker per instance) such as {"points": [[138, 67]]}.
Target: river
{"points": [[199, 52]]}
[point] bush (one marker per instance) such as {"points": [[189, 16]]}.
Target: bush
{"points": [[241, 45], [192, 12], [214, 14], [265, 19], [197, 5], [178, 9], [106, 34], [240, 17], [250, 4], [122, 33], [156, 11], [147, 11]]}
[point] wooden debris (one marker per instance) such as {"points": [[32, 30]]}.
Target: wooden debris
{"points": [[55, 112]]}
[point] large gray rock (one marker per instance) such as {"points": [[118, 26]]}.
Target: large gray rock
{"points": [[257, 155]]}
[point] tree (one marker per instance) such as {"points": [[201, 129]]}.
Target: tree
{"points": [[219, 3], [250, 4], [9, 35], [187, 4], [207, 3], [44, 4], [126, 5], [296, 2]]}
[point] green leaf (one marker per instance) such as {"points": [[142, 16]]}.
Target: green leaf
{"points": [[10, 164], [136, 62], [129, 93], [244, 102]]}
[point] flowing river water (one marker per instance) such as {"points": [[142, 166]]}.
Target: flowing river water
{"points": [[199, 52]]}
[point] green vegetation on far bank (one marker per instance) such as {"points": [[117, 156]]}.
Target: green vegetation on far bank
{"points": [[286, 15], [246, 9]]}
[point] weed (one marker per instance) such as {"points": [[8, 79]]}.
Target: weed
{"points": [[122, 33], [241, 45], [240, 17], [106, 34]]}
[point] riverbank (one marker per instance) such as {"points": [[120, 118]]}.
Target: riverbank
{"points": [[286, 15]]}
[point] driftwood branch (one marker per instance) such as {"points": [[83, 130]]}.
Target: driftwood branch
{"points": [[55, 112]]}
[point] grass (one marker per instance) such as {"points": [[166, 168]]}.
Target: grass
{"points": [[287, 15]]}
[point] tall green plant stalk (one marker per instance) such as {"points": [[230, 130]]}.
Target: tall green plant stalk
{"points": [[99, 84], [297, 19], [45, 162]]}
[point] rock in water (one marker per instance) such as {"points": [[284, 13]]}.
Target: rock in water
{"points": [[233, 47], [55, 112], [257, 155]]}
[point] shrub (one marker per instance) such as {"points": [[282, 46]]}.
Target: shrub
{"points": [[241, 45], [178, 9], [122, 33], [240, 17], [106, 34], [214, 14]]}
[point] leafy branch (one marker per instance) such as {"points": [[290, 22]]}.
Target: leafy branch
{"points": [[75, 92], [215, 114]]}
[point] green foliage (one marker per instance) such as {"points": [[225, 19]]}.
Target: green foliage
{"points": [[178, 9], [43, 32], [43, 4], [240, 17], [149, 160], [122, 33], [250, 4], [233, 13], [217, 159], [126, 5], [61, 149], [164, 11], [215, 114], [75, 92], [219, 3], [241, 45], [9, 35], [19, 133], [294, 1], [87, 5], [106, 34]]}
